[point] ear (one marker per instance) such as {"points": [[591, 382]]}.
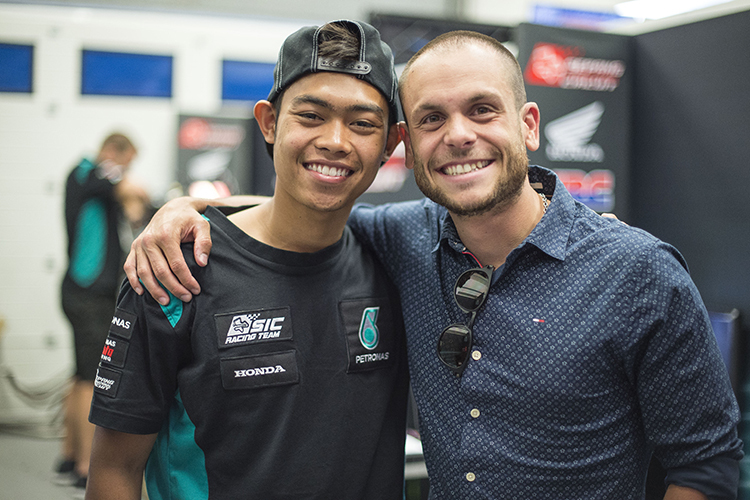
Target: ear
{"points": [[530, 125], [403, 132], [265, 115], [391, 142]]}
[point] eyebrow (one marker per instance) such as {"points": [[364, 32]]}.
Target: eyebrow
{"points": [[472, 100], [356, 108], [481, 97]]}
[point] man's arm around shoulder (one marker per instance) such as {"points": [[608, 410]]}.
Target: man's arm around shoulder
{"points": [[155, 257]]}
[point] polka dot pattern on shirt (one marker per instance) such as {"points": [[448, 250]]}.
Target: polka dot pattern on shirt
{"points": [[593, 350]]}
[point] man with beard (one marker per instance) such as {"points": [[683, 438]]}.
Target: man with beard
{"points": [[570, 347]]}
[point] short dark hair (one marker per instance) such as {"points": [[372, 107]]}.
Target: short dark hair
{"points": [[339, 41]]}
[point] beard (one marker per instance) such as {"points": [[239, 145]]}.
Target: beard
{"points": [[507, 189]]}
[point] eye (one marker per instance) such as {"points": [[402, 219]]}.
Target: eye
{"points": [[308, 116], [431, 121], [363, 124], [484, 112]]}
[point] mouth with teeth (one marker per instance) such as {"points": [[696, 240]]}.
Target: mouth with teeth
{"points": [[465, 168], [329, 171]]}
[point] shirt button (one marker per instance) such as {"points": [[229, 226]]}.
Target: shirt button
{"points": [[474, 413], [476, 355], [470, 476]]}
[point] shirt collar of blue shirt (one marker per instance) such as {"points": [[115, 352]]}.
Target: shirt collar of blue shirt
{"points": [[552, 232]]}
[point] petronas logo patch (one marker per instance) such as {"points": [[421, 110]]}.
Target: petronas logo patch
{"points": [[369, 335]]}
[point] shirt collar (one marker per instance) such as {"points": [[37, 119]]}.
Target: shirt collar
{"points": [[552, 232]]}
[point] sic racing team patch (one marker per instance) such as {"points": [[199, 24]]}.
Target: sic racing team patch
{"points": [[250, 327], [369, 337], [262, 370]]}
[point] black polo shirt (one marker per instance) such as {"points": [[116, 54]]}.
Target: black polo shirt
{"points": [[284, 378]]}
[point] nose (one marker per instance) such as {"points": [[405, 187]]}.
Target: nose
{"points": [[459, 132], [334, 138]]}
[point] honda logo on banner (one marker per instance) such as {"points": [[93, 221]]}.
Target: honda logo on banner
{"points": [[568, 137]]}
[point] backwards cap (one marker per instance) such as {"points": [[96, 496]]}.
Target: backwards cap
{"points": [[299, 56]]}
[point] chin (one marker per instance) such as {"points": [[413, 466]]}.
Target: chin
{"points": [[498, 204], [504, 194]]}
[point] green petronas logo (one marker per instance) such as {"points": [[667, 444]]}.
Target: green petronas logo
{"points": [[369, 335]]}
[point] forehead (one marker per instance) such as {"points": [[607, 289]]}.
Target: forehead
{"points": [[338, 91], [452, 70]]}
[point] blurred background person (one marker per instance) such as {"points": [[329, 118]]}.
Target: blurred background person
{"points": [[100, 200]]}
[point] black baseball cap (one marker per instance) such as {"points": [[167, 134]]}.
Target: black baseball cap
{"points": [[299, 56]]}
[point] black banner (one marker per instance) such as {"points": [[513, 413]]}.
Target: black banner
{"points": [[213, 156], [582, 82]]}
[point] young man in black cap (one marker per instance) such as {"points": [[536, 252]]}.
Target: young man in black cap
{"points": [[288, 379]]}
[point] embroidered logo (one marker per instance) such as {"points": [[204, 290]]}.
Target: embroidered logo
{"points": [[107, 381], [250, 327], [260, 370], [123, 323], [115, 351], [254, 372], [369, 335], [247, 327], [371, 338]]}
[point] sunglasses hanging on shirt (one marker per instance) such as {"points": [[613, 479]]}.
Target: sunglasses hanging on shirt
{"points": [[470, 292]]}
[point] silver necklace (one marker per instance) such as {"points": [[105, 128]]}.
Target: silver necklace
{"points": [[545, 203]]}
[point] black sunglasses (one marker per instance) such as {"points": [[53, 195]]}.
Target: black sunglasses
{"points": [[455, 342]]}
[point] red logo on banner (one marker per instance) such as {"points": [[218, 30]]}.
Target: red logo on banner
{"points": [[199, 133], [193, 133], [546, 66], [558, 66], [595, 189]]}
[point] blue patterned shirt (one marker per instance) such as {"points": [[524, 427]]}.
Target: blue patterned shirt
{"points": [[592, 351]]}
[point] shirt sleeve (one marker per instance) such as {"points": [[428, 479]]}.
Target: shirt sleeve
{"points": [[687, 404], [717, 477], [362, 221], [390, 229], [137, 377]]}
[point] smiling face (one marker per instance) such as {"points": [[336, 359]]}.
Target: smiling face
{"points": [[329, 138], [467, 134]]}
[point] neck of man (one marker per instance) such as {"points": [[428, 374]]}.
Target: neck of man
{"points": [[292, 227], [490, 237]]}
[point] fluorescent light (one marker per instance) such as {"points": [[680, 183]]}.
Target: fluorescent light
{"points": [[658, 9]]}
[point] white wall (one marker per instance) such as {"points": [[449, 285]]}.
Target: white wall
{"points": [[42, 135]]}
